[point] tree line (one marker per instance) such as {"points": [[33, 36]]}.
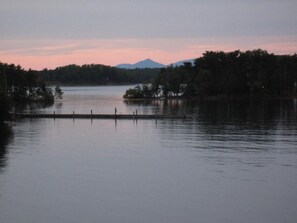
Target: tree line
{"points": [[23, 85], [97, 74], [250, 73], [20, 85]]}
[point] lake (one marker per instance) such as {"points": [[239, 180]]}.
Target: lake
{"points": [[234, 161]]}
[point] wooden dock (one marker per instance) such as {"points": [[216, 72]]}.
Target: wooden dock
{"points": [[96, 116]]}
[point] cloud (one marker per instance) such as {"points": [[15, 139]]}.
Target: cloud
{"points": [[119, 19]]}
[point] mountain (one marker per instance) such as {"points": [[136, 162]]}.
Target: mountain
{"points": [[148, 63], [179, 63]]}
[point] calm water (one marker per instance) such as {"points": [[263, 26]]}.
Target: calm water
{"points": [[235, 161]]}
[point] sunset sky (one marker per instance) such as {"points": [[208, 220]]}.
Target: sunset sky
{"points": [[41, 34]]}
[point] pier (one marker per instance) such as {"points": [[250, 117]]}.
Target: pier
{"points": [[96, 116]]}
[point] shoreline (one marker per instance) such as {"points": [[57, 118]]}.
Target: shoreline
{"points": [[213, 98]]}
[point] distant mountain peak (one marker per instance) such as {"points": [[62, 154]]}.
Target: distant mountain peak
{"points": [[148, 60], [147, 63]]}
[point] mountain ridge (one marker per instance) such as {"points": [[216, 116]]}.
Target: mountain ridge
{"points": [[149, 63]]}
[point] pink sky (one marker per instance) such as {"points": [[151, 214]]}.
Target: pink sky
{"points": [[40, 54], [47, 34]]}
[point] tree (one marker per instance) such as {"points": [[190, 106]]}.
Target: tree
{"points": [[134, 93], [58, 92], [18, 84]]}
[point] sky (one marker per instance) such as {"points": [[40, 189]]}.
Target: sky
{"points": [[42, 34]]}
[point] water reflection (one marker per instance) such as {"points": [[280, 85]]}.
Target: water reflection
{"points": [[247, 110], [58, 105], [229, 125], [224, 111], [161, 106], [5, 137], [31, 107]]}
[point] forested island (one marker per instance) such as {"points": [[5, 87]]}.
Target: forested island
{"points": [[234, 74]]}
